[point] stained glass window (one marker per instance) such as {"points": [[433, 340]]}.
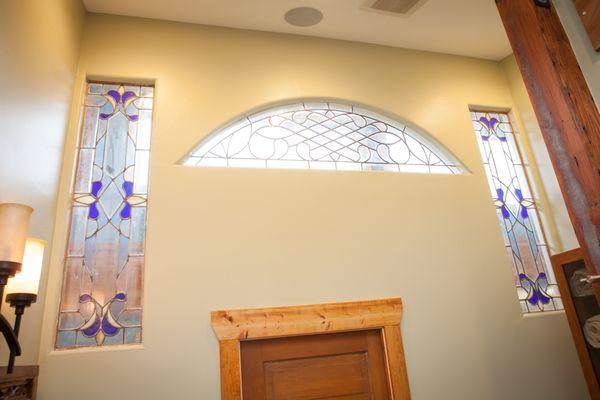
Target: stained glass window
{"points": [[323, 136], [523, 237], [101, 301]]}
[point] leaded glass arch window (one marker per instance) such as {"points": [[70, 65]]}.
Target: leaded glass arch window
{"points": [[323, 135]]}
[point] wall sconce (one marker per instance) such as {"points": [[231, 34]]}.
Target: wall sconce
{"points": [[14, 221], [22, 290], [17, 254]]}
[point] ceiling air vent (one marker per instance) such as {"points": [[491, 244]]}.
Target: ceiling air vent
{"points": [[402, 7]]}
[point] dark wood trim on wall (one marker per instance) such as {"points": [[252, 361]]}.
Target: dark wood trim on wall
{"points": [[565, 110]]}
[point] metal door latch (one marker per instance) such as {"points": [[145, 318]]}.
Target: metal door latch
{"points": [[591, 279]]}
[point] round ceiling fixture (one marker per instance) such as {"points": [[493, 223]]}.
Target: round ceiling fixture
{"points": [[303, 16]]}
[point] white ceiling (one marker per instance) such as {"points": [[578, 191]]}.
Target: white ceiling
{"points": [[464, 27]]}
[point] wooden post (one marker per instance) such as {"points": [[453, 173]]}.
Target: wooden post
{"points": [[565, 110], [231, 380]]}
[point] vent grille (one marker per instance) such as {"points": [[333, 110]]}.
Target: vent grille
{"points": [[395, 6]]}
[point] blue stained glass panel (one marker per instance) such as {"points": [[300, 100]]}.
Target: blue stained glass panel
{"points": [[517, 214], [101, 301]]}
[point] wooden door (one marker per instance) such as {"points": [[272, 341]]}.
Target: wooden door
{"points": [[583, 313], [341, 366]]}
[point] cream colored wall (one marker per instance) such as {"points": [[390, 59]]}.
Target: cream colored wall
{"points": [[559, 230], [223, 238], [39, 51], [588, 58]]}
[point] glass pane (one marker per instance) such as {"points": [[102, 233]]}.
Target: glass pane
{"points": [[101, 302], [90, 124], [321, 136], [517, 214]]}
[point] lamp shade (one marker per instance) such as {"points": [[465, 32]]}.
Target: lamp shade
{"points": [[14, 221], [28, 280]]}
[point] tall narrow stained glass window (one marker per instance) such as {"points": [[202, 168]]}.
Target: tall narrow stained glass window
{"points": [[323, 135], [101, 301], [523, 237]]}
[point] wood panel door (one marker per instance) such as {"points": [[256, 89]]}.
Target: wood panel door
{"points": [[341, 366], [583, 313]]}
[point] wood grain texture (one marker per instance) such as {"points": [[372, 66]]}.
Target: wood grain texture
{"points": [[558, 261], [344, 366], [231, 381], [589, 11], [233, 326], [394, 351], [566, 113], [338, 376], [305, 320]]}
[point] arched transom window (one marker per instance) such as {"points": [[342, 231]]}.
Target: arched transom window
{"points": [[323, 135]]}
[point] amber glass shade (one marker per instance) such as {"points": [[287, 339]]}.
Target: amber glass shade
{"points": [[14, 221], [28, 280]]}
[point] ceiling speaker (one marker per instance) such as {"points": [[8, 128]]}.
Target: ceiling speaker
{"points": [[303, 16]]}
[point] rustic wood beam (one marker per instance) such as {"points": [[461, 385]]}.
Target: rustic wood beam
{"points": [[565, 110]]}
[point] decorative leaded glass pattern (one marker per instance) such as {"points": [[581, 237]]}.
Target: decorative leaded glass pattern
{"points": [[523, 237], [101, 301], [322, 136]]}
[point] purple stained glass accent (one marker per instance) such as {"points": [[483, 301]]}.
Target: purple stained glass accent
{"points": [[519, 195], [128, 188], [536, 289], [85, 297], [127, 96], [93, 329], [109, 267], [503, 208], [118, 102], [523, 238], [96, 186], [122, 99], [115, 95], [108, 328], [93, 213], [93, 209], [490, 123], [126, 211], [102, 319]]}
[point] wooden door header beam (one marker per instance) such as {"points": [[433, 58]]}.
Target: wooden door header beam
{"points": [[305, 320]]}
